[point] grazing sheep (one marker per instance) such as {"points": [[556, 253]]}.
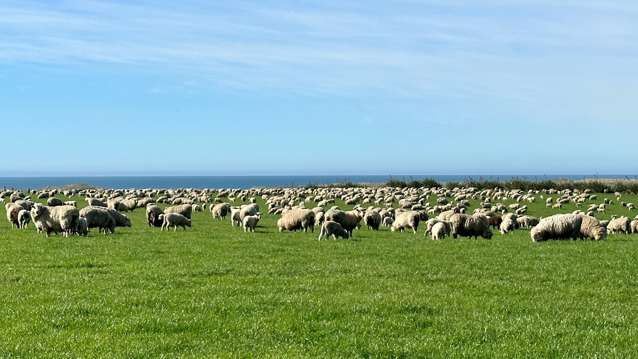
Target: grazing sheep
{"points": [[526, 221], [250, 222], [334, 229], [58, 219], [297, 219], [348, 220], [54, 202], [619, 225], [220, 210], [441, 229], [121, 220], [235, 219], [568, 226], [476, 225], [71, 203], [83, 227], [372, 219], [24, 217], [12, 211], [153, 212], [405, 220], [509, 223], [94, 202], [185, 210], [99, 217], [175, 220]]}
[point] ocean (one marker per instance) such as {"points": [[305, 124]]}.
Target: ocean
{"points": [[127, 182]]}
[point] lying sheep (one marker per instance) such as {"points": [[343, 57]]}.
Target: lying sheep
{"points": [[297, 219], [99, 217], [334, 230], [60, 219], [185, 210], [619, 225], [174, 220], [476, 225], [568, 226], [441, 229], [250, 222], [24, 217]]}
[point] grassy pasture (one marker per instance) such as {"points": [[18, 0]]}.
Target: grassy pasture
{"points": [[216, 291]]}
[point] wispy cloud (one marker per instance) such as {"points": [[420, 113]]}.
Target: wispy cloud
{"points": [[506, 50]]}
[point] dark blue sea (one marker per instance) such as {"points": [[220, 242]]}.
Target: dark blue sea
{"points": [[126, 182]]}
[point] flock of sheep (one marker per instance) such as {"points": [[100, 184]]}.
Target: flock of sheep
{"points": [[444, 211]]}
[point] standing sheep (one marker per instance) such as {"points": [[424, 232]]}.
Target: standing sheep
{"points": [[619, 225], [476, 225], [405, 220], [372, 219], [568, 226], [175, 220], [185, 210], [220, 210], [250, 222], [24, 217], [58, 219], [508, 224], [98, 217], [348, 220], [297, 219], [153, 212], [441, 229], [334, 229]]}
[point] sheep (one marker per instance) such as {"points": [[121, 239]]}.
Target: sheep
{"points": [[54, 202], [387, 221], [297, 219], [440, 229], [12, 211], [476, 225], [405, 220], [508, 224], [372, 219], [174, 220], [185, 210], [94, 202], [153, 212], [220, 210], [633, 225], [568, 226], [235, 219], [24, 217], [348, 220], [250, 222], [99, 217], [526, 221], [619, 225], [121, 220], [248, 210], [83, 227], [334, 229], [56, 219]]}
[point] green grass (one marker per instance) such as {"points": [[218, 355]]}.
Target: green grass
{"points": [[216, 291]]}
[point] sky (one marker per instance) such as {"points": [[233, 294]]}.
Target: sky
{"points": [[274, 87]]}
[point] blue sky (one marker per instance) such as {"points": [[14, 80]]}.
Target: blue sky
{"points": [[318, 87]]}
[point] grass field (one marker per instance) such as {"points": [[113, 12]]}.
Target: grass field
{"points": [[216, 291]]}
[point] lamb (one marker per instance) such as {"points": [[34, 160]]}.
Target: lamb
{"points": [[23, 219], [185, 210], [250, 222], [372, 219], [405, 220], [297, 219], [441, 229], [334, 229], [634, 226], [220, 210], [568, 226], [153, 212], [476, 225], [99, 217], [508, 224], [235, 219], [619, 225], [387, 221], [174, 220], [56, 219], [348, 220]]}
